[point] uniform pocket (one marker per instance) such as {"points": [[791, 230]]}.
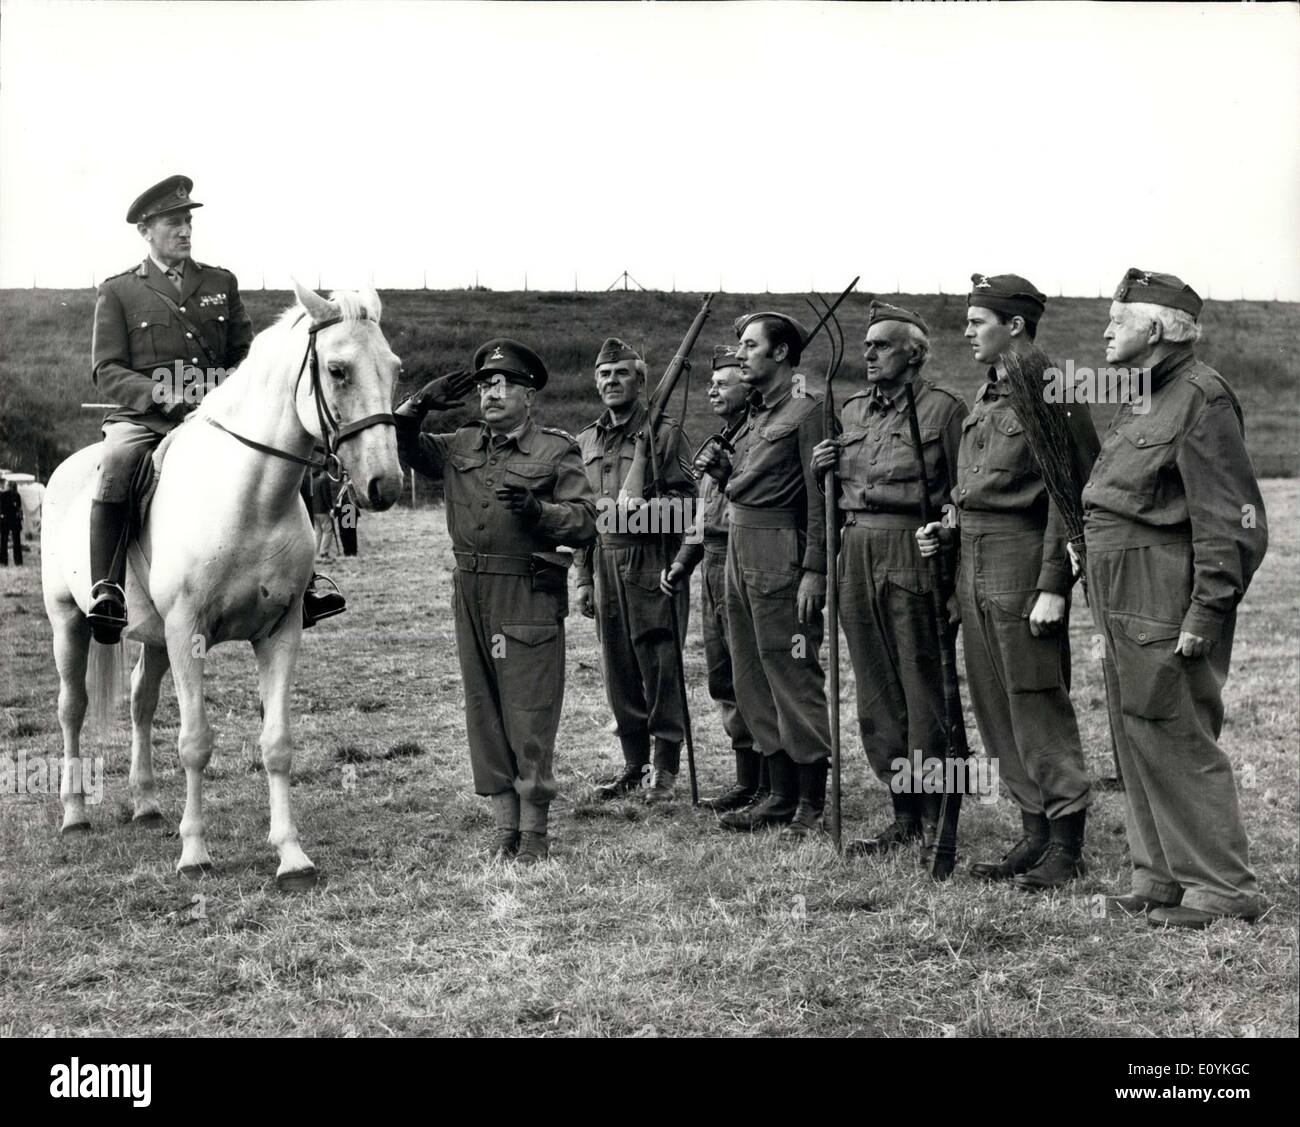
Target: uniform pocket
{"points": [[902, 454], [647, 606], [772, 604], [1032, 665], [1008, 450], [1150, 673], [530, 665]]}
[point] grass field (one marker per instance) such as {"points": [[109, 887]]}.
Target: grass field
{"points": [[643, 923], [45, 353]]}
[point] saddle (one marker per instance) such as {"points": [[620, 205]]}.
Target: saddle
{"points": [[148, 472]]}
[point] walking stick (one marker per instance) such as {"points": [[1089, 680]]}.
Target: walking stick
{"points": [[945, 852]]}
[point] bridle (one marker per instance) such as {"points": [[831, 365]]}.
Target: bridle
{"points": [[332, 431]]}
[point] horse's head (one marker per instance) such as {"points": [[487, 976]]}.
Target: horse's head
{"points": [[355, 372]]}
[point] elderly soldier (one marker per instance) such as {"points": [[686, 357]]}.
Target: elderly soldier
{"points": [[1013, 586], [155, 325], [776, 576], [1175, 528], [729, 398], [618, 578], [11, 522], [885, 584], [515, 491]]}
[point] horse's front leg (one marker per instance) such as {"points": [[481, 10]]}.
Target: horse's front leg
{"points": [[276, 657], [186, 650], [145, 682]]}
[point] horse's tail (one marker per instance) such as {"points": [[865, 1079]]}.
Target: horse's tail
{"points": [[106, 681]]}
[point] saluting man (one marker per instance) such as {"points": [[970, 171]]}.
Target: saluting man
{"points": [[618, 578], [729, 398], [776, 576], [1174, 530], [1013, 587], [885, 584], [515, 493], [165, 326]]}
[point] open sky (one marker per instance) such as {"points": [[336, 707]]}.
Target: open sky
{"points": [[750, 145]]}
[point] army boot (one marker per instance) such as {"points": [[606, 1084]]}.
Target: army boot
{"points": [[742, 793], [1022, 856], [660, 787], [533, 844], [905, 828], [636, 764], [930, 806], [778, 807], [505, 819], [109, 527], [807, 820], [1062, 860], [318, 603]]}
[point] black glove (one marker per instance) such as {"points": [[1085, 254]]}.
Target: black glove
{"points": [[441, 394], [520, 501]]}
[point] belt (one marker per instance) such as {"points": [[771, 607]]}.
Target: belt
{"points": [[863, 519], [748, 516], [975, 522], [1104, 531], [493, 565], [633, 539]]}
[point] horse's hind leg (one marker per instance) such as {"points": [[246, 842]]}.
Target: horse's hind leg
{"points": [[71, 649], [145, 682], [276, 656], [195, 745]]}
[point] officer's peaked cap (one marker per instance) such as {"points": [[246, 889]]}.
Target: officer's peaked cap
{"points": [[172, 194]]}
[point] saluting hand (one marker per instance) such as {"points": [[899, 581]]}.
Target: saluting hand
{"points": [[520, 501], [441, 394]]}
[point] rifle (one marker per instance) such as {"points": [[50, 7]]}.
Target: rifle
{"points": [[945, 852], [634, 486]]}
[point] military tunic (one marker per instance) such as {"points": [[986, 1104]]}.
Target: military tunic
{"points": [[1013, 547], [137, 334], [638, 656], [510, 591], [885, 583], [778, 531], [1175, 528]]}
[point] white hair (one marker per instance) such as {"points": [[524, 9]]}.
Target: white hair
{"points": [[1176, 325], [915, 336]]}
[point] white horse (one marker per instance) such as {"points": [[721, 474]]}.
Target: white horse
{"points": [[226, 551]]}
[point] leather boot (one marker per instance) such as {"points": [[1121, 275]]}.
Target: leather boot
{"points": [[905, 828], [778, 807], [636, 760], [930, 806], [742, 793], [1022, 856], [109, 527], [1062, 860], [807, 820], [668, 755], [318, 603], [660, 787], [533, 843], [505, 819]]}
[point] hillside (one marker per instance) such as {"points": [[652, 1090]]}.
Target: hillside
{"points": [[45, 353]]}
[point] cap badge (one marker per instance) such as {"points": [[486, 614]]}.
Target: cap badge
{"points": [[181, 193], [497, 354], [983, 283]]}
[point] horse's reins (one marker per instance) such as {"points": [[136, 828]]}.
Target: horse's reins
{"points": [[332, 432]]}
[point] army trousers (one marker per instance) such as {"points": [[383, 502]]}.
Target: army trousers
{"points": [[1019, 685], [888, 620], [638, 655], [510, 639], [717, 650], [126, 445], [780, 684], [1185, 832]]}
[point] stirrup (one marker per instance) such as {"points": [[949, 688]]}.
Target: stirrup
{"points": [[326, 603], [105, 626]]}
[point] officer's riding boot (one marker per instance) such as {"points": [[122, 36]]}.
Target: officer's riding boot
{"points": [[807, 820], [318, 604], [1062, 860], [533, 845], [1022, 856], [905, 828], [930, 806], [505, 819], [636, 760], [742, 793], [109, 526], [663, 773], [779, 806]]}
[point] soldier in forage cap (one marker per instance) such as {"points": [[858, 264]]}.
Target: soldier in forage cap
{"points": [[618, 578], [1174, 530], [516, 492], [1013, 588]]}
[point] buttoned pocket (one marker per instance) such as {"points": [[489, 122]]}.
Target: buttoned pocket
{"points": [[1031, 665], [852, 448], [902, 454], [774, 432], [153, 335], [1150, 673], [530, 665], [648, 612], [1142, 455], [772, 605], [1008, 450], [530, 474]]}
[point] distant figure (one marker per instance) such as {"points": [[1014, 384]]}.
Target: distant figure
{"points": [[346, 512], [11, 523], [321, 507]]}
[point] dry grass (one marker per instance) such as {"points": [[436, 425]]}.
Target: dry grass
{"points": [[644, 923]]}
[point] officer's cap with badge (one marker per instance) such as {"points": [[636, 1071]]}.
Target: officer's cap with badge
{"points": [[724, 356], [883, 311], [1158, 289], [172, 194], [614, 350], [517, 362], [1008, 294]]}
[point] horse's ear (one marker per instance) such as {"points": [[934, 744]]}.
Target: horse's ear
{"points": [[318, 309], [371, 300]]}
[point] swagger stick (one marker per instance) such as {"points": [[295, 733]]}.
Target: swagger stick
{"points": [[945, 850]]}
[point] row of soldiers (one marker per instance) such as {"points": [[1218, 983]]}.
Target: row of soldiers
{"points": [[1175, 528]]}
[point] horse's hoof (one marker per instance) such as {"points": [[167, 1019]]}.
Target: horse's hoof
{"points": [[195, 872], [75, 828], [300, 881], [149, 819]]}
